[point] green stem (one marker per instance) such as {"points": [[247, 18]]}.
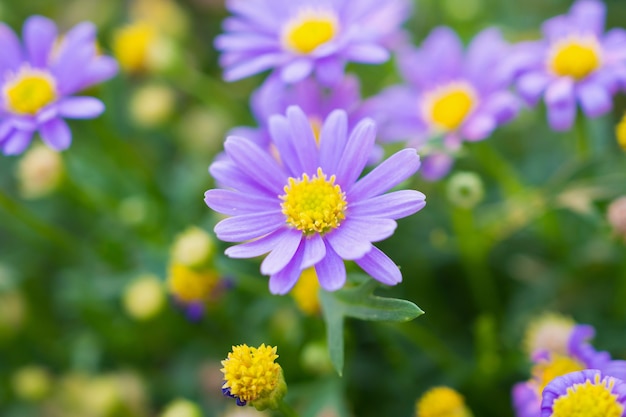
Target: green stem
{"points": [[583, 148], [286, 410], [499, 168], [42, 228], [473, 249]]}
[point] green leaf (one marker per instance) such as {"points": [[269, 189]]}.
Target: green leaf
{"points": [[359, 302]]}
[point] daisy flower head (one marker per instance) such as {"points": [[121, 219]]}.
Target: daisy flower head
{"points": [[575, 63], [447, 96], [587, 393], [581, 355], [296, 38], [309, 208], [38, 78]]}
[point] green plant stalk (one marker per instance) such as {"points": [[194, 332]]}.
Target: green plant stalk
{"points": [[42, 228], [583, 147], [499, 168], [286, 410], [473, 250]]}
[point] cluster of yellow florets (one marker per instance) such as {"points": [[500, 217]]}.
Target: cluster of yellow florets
{"points": [[189, 285], [251, 373], [441, 402]]}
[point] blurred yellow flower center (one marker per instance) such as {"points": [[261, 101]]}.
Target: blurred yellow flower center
{"points": [[620, 132], [131, 46], [306, 292], [545, 372], [591, 399], [575, 57], [308, 30], [314, 205], [441, 402], [189, 285], [29, 91], [549, 332], [251, 373], [448, 106]]}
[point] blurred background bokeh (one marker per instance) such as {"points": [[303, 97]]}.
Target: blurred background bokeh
{"points": [[100, 318]]}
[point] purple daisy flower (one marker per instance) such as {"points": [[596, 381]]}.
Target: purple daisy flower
{"points": [[39, 77], [311, 208], [580, 356], [585, 393], [576, 62], [448, 96], [300, 37]]}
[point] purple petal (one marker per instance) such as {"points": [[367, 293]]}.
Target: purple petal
{"points": [[436, 166], [478, 127], [282, 253], [588, 16], [314, 251], [234, 203], [66, 70], [388, 174], [348, 243], [333, 138], [256, 163], [296, 70], [11, 56], [248, 226], [303, 140], [561, 104], [100, 69], [16, 142], [56, 134], [280, 133], [380, 267], [503, 106], [80, 107], [531, 86], [356, 153], [331, 271], [228, 175], [281, 282], [394, 205], [594, 100], [329, 71], [39, 36], [257, 247], [368, 53], [248, 67]]}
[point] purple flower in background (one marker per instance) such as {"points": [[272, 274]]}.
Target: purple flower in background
{"points": [[315, 100], [300, 37], [585, 393], [311, 208], [576, 62], [39, 77], [548, 366], [449, 94]]}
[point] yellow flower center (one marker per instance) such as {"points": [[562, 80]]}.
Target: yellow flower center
{"points": [[448, 106], [591, 399], [576, 57], [545, 372], [189, 285], [306, 292], [308, 30], [441, 402], [29, 91], [131, 46], [314, 205], [251, 373], [620, 132]]}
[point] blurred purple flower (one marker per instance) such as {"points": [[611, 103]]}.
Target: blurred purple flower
{"points": [[39, 78], [590, 392], [581, 355], [311, 208], [576, 62], [450, 94], [299, 37]]}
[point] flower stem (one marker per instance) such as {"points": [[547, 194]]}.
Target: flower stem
{"points": [[583, 148], [286, 410], [42, 228]]}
